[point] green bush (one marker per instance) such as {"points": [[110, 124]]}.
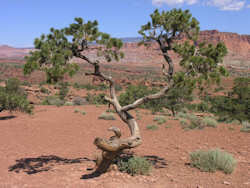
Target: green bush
{"points": [[76, 110], [88, 86], [235, 105], [26, 83], [53, 100], [184, 123], [68, 103], [44, 90], [209, 122], [132, 93], [77, 101], [13, 97], [96, 98], [245, 127], [107, 116], [182, 115], [212, 160], [135, 166], [63, 90]]}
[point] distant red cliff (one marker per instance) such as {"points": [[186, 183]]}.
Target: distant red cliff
{"points": [[238, 49]]}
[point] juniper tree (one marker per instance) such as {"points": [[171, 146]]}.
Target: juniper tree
{"points": [[199, 63]]}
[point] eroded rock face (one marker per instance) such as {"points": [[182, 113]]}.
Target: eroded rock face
{"points": [[238, 45]]}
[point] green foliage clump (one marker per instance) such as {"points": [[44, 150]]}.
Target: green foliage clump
{"points": [[55, 50], [209, 122], [184, 122], [191, 121], [107, 116], [177, 97], [79, 101], [245, 127], [152, 127], [101, 87], [44, 90], [212, 160], [13, 97], [160, 119], [235, 105], [63, 90], [26, 83], [76, 111], [96, 98], [68, 103], [53, 100], [133, 92], [135, 166]]}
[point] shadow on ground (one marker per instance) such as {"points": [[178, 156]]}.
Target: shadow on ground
{"points": [[156, 161], [7, 117], [43, 163]]}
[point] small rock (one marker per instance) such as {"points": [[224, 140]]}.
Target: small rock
{"points": [[183, 158], [226, 183]]}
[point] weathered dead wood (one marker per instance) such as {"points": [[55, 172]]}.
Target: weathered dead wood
{"points": [[113, 147]]}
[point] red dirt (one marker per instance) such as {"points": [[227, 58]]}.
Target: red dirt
{"points": [[67, 137]]}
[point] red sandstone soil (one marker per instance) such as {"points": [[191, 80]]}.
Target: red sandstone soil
{"points": [[54, 148]]}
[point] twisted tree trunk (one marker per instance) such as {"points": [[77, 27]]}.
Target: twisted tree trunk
{"points": [[113, 147]]}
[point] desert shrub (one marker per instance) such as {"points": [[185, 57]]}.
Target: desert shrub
{"points": [[53, 100], [152, 127], [68, 103], [195, 123], [181, 115], [184, 122], [13, 97], [212, 160], [63, 90], [26, 83], [96, 98], [88, 86], [12, 86], [107, 116], [236, 122], [209, 122], [76, 110], [44, 90], [135, 166], [245, 127], [202, 107], [83, 113], [160, 119], [77, 101]]}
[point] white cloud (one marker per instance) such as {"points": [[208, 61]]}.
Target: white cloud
{"points": [[174, 2], [232, 5], [225, 5]]}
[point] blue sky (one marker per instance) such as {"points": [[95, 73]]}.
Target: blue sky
{"points": [[23, 20]]}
